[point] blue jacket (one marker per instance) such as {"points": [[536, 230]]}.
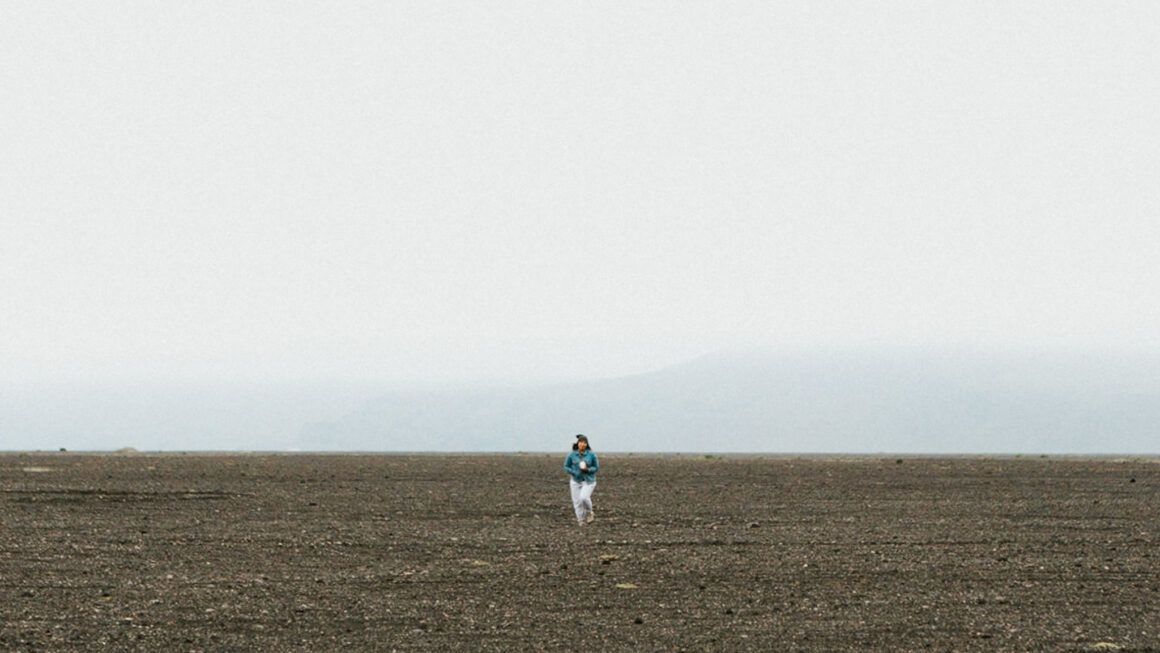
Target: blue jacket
{"points": [[572, 466]]}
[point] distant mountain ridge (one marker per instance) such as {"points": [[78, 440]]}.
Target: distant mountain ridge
{"points": [[840, 402]]}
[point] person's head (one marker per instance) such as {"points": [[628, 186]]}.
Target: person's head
{"points": [[581, 443]]}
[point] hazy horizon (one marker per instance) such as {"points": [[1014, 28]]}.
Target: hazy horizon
{"points": [[862, 401]]}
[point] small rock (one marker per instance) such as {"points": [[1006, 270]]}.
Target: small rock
{"points": [[638, 620]]}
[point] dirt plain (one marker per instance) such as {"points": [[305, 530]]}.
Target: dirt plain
{"points": [[310, 552]]}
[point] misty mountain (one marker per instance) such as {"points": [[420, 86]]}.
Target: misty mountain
{"points": [[855, 402]]}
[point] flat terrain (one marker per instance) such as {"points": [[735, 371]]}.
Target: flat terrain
{"points": [[383, 552]]}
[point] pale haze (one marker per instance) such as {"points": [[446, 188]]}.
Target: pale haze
{"points": [[528, 192]]}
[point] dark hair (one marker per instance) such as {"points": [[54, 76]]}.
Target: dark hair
{"points": [[576, 444]]}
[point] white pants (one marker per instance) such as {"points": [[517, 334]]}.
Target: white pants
{"points": [[582, 497]]}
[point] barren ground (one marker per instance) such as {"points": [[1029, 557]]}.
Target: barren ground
{"points": [[382, 552]]}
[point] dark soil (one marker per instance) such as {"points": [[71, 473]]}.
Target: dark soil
{"points": [[382, 552]]}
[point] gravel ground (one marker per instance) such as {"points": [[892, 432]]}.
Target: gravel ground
{"points": [[199, 552]]}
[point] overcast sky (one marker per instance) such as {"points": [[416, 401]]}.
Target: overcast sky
{"points": [[449, 189]]}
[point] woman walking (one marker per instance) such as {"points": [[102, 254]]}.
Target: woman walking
{"points": [[581, 465]]}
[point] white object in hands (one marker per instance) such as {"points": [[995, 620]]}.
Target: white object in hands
{"points": [[583, 466]]}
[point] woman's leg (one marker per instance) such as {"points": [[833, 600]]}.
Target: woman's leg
{"points": [[577, 500], [586, 500]]}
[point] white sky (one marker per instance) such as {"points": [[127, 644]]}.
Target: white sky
{"points": [[446, 189]]}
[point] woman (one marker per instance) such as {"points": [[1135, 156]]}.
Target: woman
{"points": [[581, 464]]}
